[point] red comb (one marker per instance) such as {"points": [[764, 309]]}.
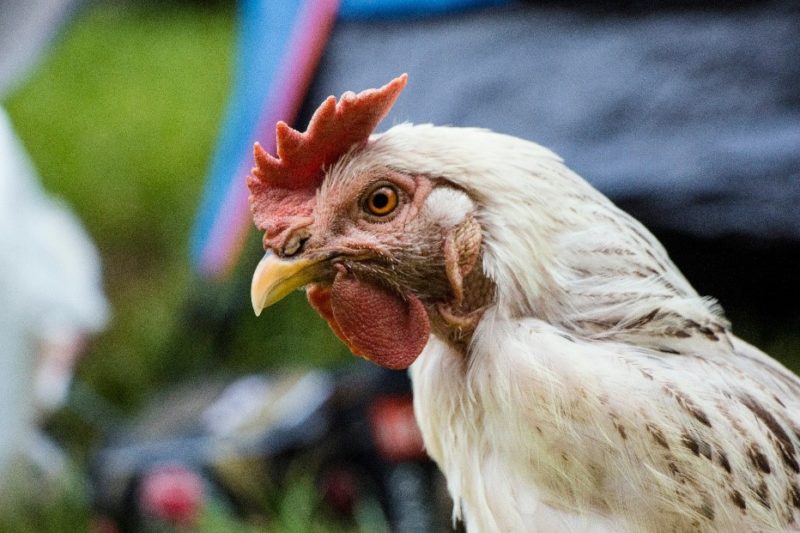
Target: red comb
{"points": [[283, 186]]}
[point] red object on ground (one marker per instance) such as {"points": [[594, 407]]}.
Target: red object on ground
{"points": [[172, 493]]}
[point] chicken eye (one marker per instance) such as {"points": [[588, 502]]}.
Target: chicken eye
{"points": [[382, 201]]}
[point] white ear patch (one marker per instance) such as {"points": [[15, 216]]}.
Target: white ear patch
{"points": [[448, 206]]}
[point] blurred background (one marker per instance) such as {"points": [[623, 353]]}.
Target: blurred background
{"points": [[138, 391]]}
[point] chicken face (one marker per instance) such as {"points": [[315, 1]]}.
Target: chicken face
{"points": [[375, 255]]}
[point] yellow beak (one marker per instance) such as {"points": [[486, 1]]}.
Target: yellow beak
{"points": [[275, 278]]}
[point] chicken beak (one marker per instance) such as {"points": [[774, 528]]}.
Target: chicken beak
{"points": [[275, 278]]}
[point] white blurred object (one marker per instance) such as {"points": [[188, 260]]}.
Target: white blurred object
{"points": [[51, 294]]}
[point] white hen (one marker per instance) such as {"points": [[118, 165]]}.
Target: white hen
{"points": [[566, 376]]}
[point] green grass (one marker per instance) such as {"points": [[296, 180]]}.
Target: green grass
{"points": [[36, 504]]}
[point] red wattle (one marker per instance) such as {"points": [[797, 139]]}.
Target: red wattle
{"points": [[372, 321]]}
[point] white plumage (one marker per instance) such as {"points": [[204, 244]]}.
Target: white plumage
{"points": [[598, 391], [566, 375]]}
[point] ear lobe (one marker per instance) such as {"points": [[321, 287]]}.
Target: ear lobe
{"points": [[462, 248]]}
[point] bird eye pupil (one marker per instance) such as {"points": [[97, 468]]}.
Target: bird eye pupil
{"points": [[380, 200]]}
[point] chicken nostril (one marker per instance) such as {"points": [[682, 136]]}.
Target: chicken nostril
{"points": [[295, 243]]}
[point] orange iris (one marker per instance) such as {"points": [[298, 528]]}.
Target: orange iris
{"points": [[382, 201]]}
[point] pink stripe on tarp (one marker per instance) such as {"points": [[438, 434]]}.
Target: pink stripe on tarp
{"points": [[304, 50]]}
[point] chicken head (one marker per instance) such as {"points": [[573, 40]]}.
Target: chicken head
{"points": [[382, 252]]}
